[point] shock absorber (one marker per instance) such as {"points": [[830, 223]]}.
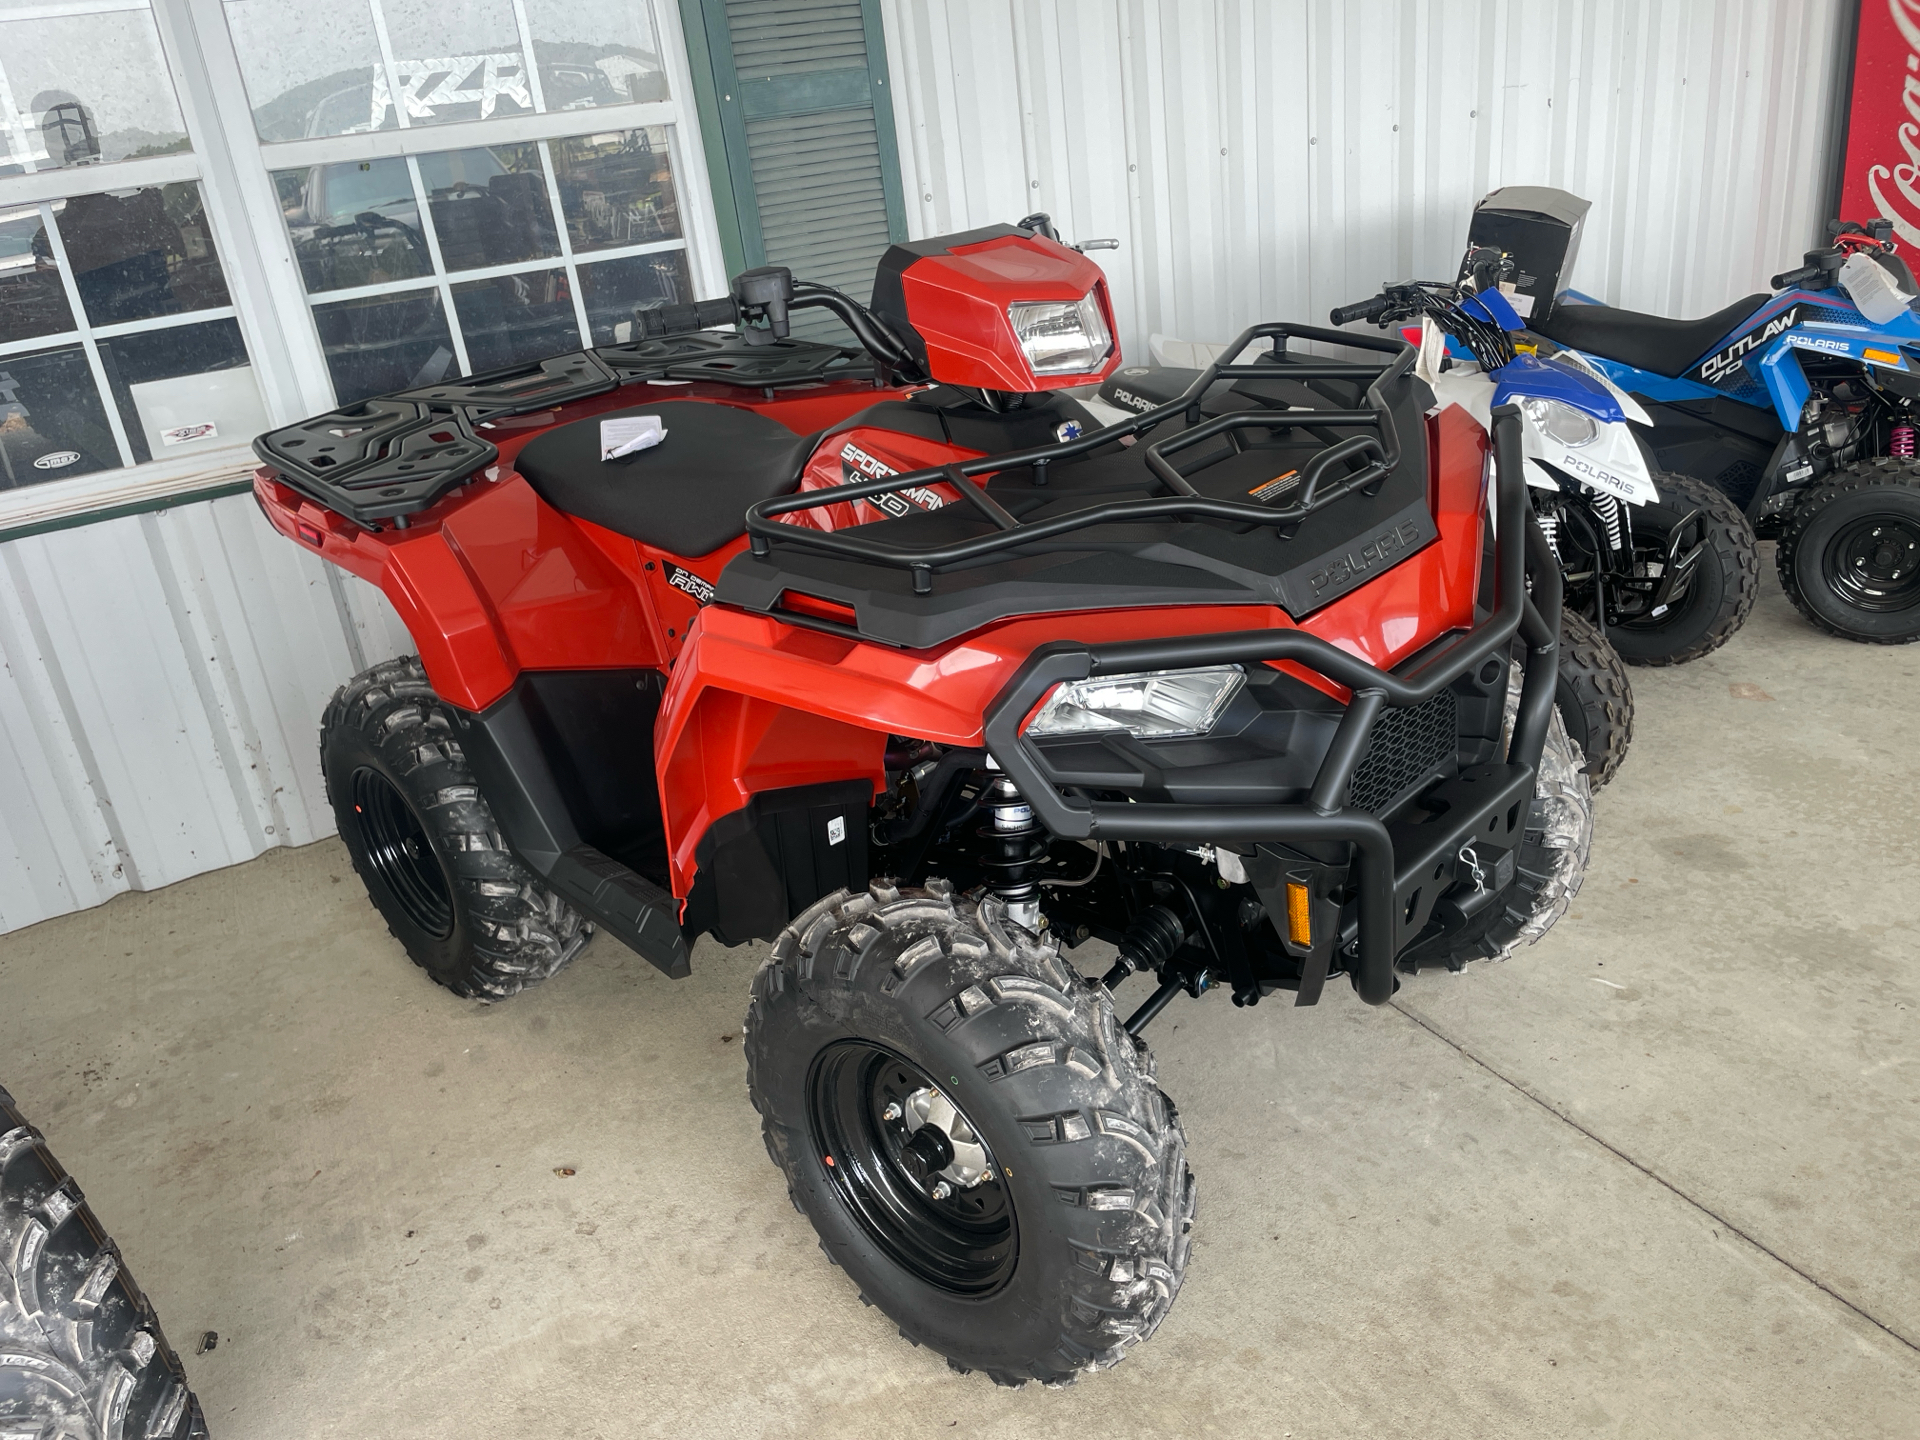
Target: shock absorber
{"points": [[1015, 845], [1550, 527], [1608, 509], [1900, 443]]}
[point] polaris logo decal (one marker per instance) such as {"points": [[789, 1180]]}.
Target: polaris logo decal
{"points": [[686, 580], [1721, 365], [856, 465], [1128, 398], [1369, 556]]}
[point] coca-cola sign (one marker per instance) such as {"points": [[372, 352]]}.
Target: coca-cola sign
{"points": [[1882, 174]]}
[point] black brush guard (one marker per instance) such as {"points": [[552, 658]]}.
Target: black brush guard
{"points": [[1521, 555], [1318, 487]]}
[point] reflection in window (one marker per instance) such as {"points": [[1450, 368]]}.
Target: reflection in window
{"points": [[32, 301], [617, 188], [84, 90], [490, 206], [611, 288], [52, 426], [514, 318], [595, 52], [309, 66], [385, 343], [140, 253], [183, 388], [353, 223]]}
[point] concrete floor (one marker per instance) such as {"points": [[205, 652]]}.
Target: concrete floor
{"points": [[1658, 1176]]}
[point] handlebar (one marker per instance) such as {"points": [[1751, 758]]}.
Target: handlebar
{"points": [[1788, 279], [658, 321], [1361, 310]]}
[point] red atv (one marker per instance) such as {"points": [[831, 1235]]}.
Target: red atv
{"points": [[893, 657]]}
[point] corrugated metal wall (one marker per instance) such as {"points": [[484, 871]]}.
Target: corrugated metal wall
{"points": [[164, 674], [1268, 159], [161, 682]]}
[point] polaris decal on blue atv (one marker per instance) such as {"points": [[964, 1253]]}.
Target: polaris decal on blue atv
{"points": [[1717, 366]]}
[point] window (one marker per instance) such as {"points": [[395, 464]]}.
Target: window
{"points": [[340, 198]]}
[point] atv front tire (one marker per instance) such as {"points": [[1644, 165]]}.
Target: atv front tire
{"points": [[875, 1008], [1726, 579], [1594, 696], [81, 1353], [422, 838], [1849, 555]]}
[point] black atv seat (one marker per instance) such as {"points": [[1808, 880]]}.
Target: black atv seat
{"points": [[689, 494], [1647, 342]]}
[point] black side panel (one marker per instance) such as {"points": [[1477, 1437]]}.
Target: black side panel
{"points": [[763, 864], [565, 760], [1723, 442]]}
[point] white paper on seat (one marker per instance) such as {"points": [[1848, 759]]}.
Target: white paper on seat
{"points": [[625, 434]]}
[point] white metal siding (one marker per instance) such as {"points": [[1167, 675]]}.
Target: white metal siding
{"points": [[1269, 159], [161, 682]]}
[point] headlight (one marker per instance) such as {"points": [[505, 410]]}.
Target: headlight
{"points": [[1561, 422], [1062, 337], [1154, 704]]}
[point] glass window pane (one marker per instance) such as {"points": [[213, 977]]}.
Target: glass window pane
{"points": [[514, 318], [457, 59], [611, 288], [385, 343], [353, 223], [32, 301], [52, 425], [312, 67], [595, 52], [183, 388], [490, 207], [617, 188], [89, 89], [141, 253]]}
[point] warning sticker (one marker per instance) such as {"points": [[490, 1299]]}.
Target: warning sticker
{"points": [[1279, 485]]}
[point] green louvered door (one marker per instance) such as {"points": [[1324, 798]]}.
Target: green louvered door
{"points": [[799, 134]]}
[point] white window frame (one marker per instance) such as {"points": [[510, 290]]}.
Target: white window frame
{"points": [[233, 169]]}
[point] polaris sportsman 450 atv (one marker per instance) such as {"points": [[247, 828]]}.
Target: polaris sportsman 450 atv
{"points": [[1233, 695], [1801, 406]]}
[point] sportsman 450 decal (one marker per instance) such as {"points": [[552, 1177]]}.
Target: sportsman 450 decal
{"points": [[1722, 363], [856, 465]]}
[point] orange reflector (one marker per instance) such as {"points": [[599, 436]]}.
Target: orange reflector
{"points": [[1882, 357], [1299, 915]]}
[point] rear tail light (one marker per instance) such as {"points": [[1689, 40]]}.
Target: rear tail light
{"points": [[312, 534]]}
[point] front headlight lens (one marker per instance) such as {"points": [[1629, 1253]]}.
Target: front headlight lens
{"points": [[1560, 421], [1062, 337], [1150, 705]]}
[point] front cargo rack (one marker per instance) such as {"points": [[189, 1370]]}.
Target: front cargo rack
{"points": [[383, 459], [1376, 455]]}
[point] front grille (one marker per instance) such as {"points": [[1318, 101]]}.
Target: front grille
{"points": [[1408, 744]]}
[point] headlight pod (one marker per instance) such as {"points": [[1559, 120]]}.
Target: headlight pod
{"points": [[1560, 421], [1149, 705], [1061, 337]]}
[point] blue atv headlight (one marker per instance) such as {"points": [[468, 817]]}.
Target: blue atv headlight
{"points": [[1561, 422]]}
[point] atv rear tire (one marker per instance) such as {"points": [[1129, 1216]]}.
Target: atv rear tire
{"points": [[1849, 555], [424, 841], [1594, 696], [1075, 1244], [81, 1353], [1725, 582]]}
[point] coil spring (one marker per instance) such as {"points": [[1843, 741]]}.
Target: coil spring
{"points": [[1608, 509], [1550, 527], [1901, 442]]}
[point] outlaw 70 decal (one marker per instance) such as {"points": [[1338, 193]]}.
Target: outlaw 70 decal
{"points": [[1722, 363]]}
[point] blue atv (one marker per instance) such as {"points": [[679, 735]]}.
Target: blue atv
{"points": [[1801, 407]]}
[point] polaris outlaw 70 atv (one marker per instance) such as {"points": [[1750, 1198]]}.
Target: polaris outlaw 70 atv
{"points": [[929, 684]]}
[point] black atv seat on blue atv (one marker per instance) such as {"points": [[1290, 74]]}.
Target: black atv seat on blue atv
{"points": [[1646, 342]]}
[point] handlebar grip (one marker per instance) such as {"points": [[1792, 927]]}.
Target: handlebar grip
{"points": [[1363, 310], [1797, 277], [655, 322]]}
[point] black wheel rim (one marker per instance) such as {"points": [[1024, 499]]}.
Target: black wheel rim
{"points": [[400, 853], [1873, 563], [965, 1244]]}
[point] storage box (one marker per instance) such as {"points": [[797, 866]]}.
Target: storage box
{"points": [[1540, 228]]}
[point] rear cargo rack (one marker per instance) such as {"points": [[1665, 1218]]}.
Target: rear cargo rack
{"points": [[1377, 454], [383, 459]]}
